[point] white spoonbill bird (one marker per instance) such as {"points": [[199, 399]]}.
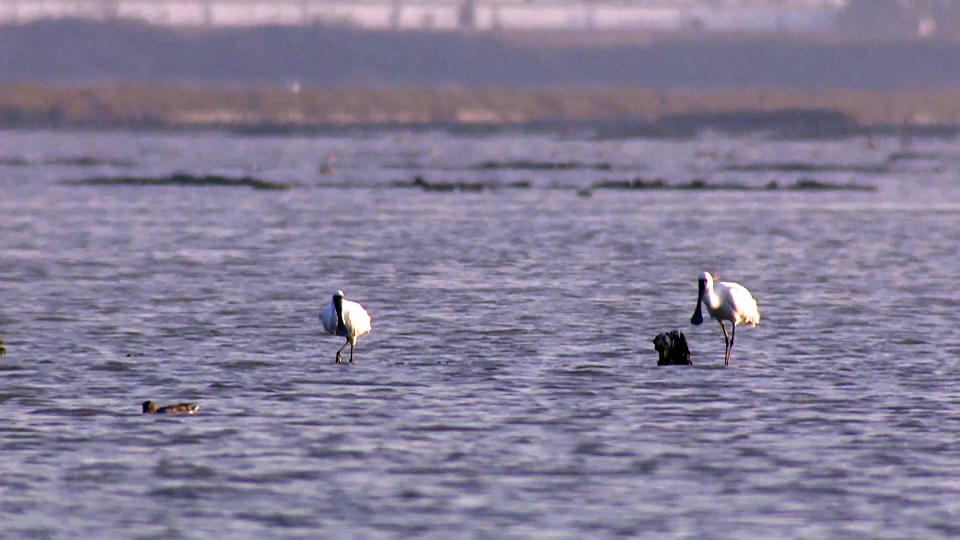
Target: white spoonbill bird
{"points": [[725, 301], [347, 319]]}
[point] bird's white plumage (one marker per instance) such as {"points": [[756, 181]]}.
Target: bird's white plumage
{"points": [[356, 321], [729, 301], [726, 301]]}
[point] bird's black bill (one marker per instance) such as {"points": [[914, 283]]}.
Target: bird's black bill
{"points": [[697, 318], [338, 306]]}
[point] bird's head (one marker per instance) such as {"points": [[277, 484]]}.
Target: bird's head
{"points": [[338, 293], [705, 282]]}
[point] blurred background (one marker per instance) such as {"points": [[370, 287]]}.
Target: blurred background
{"points": [[334, 62]]}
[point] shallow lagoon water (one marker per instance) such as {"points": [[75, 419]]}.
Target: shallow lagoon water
{"points": [[509, 387]]}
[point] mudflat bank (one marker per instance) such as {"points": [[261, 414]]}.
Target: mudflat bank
{"points": [[610, 111]]}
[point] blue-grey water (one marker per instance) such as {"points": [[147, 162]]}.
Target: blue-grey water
{"points": [[509, 387]]}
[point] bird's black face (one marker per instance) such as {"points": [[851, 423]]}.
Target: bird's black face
{"points": [[697, 318]]}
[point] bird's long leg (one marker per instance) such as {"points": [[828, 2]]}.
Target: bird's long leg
{"points": [[726, 341], [733, 336], [340, 351], [351, 352]]}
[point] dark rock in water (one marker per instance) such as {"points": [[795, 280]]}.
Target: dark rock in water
{"points": [[673, 349]]}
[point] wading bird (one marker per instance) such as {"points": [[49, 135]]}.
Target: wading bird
{"points": [[725, 301], [347, 319]]}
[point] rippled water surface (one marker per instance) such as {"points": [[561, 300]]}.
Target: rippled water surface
{"points": [[509, 387]]}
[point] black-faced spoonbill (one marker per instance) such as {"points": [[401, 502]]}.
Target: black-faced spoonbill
{"points": [[347, 319], [725, 301]]}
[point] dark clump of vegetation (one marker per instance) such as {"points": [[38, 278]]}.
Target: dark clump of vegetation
{"points": [[636, 183], [544, 165], [181, 180], [908, 156], [803, 184], [805, 168], [14, 162], [425, 185], [807, 184], [88, 161], [76, 161]]}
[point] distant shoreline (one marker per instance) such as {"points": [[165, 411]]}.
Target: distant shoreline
{"points": [[607, 111]]}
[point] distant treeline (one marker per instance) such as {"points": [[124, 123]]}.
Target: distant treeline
{"points": [[79, 51]]}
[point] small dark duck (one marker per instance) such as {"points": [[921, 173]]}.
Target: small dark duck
{"points": [[150, 407]]}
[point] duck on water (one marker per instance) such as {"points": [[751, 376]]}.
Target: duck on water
{"points": [[180, 409]]}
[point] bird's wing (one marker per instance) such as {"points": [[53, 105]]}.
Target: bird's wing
{"points": [[356, 318], [328, 317], [742, 303]]}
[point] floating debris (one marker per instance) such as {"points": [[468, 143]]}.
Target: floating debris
{"points": [[181, 180], [180, 409]]}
